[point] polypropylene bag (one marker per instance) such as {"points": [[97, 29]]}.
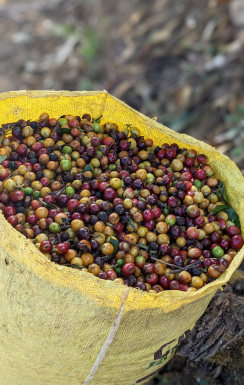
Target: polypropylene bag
{"points": [[62, 326]]}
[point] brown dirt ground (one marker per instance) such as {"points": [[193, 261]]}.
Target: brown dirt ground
{"points": [[179, 61]]}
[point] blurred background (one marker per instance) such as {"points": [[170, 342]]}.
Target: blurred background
{"points": [[180, 61]]}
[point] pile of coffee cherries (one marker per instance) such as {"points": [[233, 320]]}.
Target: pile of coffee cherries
{"points": [[108, 201]]}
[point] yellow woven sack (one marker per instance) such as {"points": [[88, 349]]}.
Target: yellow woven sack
{"points": [[61, 326]]}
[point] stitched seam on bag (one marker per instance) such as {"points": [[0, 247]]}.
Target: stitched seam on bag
{"points": [[109, 340]]}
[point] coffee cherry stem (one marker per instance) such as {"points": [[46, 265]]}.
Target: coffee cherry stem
{"points": [[65, 226], [142, 199], [218, 268], [60, 191], [214, 191], [188, 267], [97, 119], [178, 268], [168, 264], [56, 193], [46, 204]]}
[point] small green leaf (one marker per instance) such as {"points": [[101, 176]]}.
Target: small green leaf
{"points": [[88, 168], [219, 195], [109, 224], [74, 266], [223, 193], [219, 208], [225, 196], [64, 130], [141, 246], [2, 158], [132, 223], [114, 241], [232, 215]]}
